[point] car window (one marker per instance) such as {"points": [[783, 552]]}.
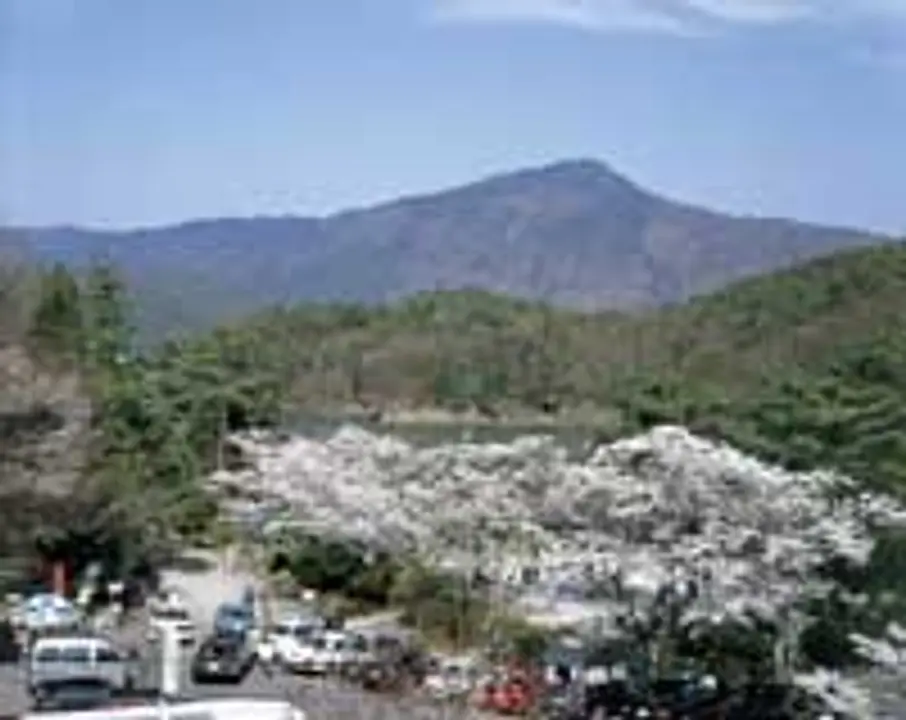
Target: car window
{"points": [[219, 650], [75, 653], [178, 614], [319, 643], [386, 643], [360, 643], [48, 654]]}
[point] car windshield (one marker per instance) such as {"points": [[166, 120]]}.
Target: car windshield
{"points": [[71, 653], [218, 649], [233, 612]]}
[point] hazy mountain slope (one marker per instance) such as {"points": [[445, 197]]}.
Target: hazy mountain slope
{"points": [[574, 232]]}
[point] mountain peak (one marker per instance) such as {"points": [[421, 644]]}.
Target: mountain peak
{"points": [[575, 231], [575, 171], [588, 167], [587, 181]]}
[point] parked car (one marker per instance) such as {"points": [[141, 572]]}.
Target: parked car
{"points": [[232, 618], [568, 702], [615, 698], [222, 658], [514, 691], [484, 693], [321, 654], [393, 664], [775, 701], [44, 614], [358, 651], [516, 695], [299, 655], [76, 671], [280, 640], [451, 678]]}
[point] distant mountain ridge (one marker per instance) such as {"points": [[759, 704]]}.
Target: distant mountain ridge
{"points": [[573, 232]]}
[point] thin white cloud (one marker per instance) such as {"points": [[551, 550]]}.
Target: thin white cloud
{"points": [[751, 11], [671, 16], [585, 14]]}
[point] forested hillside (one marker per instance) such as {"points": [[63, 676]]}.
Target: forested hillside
{"points": [[806, 367]]}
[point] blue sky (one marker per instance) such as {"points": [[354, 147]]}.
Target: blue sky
{"points": [[137, 112]]}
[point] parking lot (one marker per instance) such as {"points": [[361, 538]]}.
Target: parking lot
{"points": [[322, 699]]}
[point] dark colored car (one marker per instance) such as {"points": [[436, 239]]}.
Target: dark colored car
{"points": [[394, 666], [774, 701], [233, 618], [612, 699], [222, 658], [677, 698]]}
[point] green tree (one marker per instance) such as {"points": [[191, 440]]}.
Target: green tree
{"points": [[109, 331], [57, 326]]}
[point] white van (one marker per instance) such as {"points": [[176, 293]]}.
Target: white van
{"points": [[57, 665]]}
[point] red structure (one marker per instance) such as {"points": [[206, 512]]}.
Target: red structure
{"points": [[59, 579]]}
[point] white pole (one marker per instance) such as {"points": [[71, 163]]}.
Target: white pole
{"points": [[171, 657]]}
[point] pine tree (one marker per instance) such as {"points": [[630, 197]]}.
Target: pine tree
{"points": [[57, 324], [110, 335]]}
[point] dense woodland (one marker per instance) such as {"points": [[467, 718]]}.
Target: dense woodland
{"points": [[805, 367]]}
